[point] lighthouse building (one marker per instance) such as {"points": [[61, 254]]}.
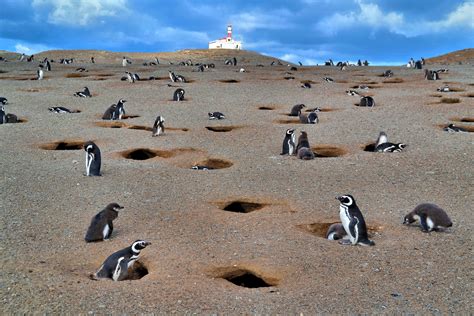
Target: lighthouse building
{"points": [[227, 42]]}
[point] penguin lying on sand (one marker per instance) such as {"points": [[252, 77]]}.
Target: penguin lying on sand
{"points": [[431, 217]]}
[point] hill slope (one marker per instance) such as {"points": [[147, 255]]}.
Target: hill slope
{"points": [[465, 56]]}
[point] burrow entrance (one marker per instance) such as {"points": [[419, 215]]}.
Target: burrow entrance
{"points": [[240, 206], [229, 81], [328, 151], [468, 129], [246, 278], [213, 163], [266, 108], [221, 129], [369, 147], [137, 271], [148, 153], [118, 124], [463, 119], [64, 145], [320, 229]]}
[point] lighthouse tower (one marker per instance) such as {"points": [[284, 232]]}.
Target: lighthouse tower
{"points": [[227, 42]]}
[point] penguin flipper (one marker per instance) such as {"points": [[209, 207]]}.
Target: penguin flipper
{"points": [[423, 223], [121, 270], [352, 228]]}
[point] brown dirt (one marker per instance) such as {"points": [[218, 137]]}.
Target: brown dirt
{"points": [[276, 244]]}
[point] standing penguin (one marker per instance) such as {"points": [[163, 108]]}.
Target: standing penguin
{"points": [[48, 65], [431, 217], [302, 141], [125, 62], [130, 77], [115, 111], [289, 145], [39, 73], [93, 159], [353, 221], [116, 266], [3, 118], [158, 126], [178, 95], [296, 109], [101, 226]]}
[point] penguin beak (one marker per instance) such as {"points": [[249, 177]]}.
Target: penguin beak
{"points": [[338, 198], [147, 243]]}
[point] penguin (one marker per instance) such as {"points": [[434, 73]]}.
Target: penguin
{"points": [[216, 116], [431, 217], [305, 153], [48, 65], [306, 85], [336, 232], [178, 95], [367, 101], [431, 75], [388, 74], [3, 100], [353, 221], [302, 141], [296, 109], [83, 94], [327, 79], [92, 60], [115, 111], [382, 139], [125, 62], [3, 118], [300, 63], [313, 117], [363, 87], [198, 167], [130, 77], [11, 118], [81, 69], [93, 159], [158, 126], [116, 266], [61, 109], [390, 147], [172, 76], [101, 226], [443, 89], [39, 73], [451, 128], [136, 77], [352, 92], [443, 70], [289, 145]]}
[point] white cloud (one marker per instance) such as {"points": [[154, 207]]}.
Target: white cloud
{"points": [[30, 49], [273, 20], [80, 12], [370, 14]]}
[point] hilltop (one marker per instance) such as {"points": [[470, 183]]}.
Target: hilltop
{"points": [[465, 56]]}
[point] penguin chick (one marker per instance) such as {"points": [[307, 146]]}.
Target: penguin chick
{"points": [[296, 109], [336, 232], [431, 217], [101, 226], [305, 153], [302, 141], [116, 266], [353, 221]]}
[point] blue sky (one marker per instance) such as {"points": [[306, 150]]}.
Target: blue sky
{"points": [[311, 31]]}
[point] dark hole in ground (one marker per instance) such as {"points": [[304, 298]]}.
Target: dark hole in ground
{"points": [[450, 100], [220, 129], [137, 271], [214, 163], [467, 119], [470, 95], [243, 207], [126, 116], [369, 147], [229, 81], [293, 121], [320, 229], [266, 108], [63, 145], [326, 151], [247, 279], [140, 154], [141, 127]]}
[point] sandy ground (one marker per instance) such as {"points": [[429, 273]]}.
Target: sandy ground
{"points": [[47, 202]]}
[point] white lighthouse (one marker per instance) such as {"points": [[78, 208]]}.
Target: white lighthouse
{"points": [[227, 42]]}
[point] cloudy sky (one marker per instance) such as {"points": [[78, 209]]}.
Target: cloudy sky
{"points": [[311, 31]]}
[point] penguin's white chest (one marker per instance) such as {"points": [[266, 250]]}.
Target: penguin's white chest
{"points": [[345, 219], [105, 232]]}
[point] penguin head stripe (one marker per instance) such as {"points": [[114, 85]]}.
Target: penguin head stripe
{"points": [[346, 200], [290, 131], [139, 245]]}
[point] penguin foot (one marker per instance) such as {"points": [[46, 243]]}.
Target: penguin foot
{"points": [[92, 276], [345, 242]]}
